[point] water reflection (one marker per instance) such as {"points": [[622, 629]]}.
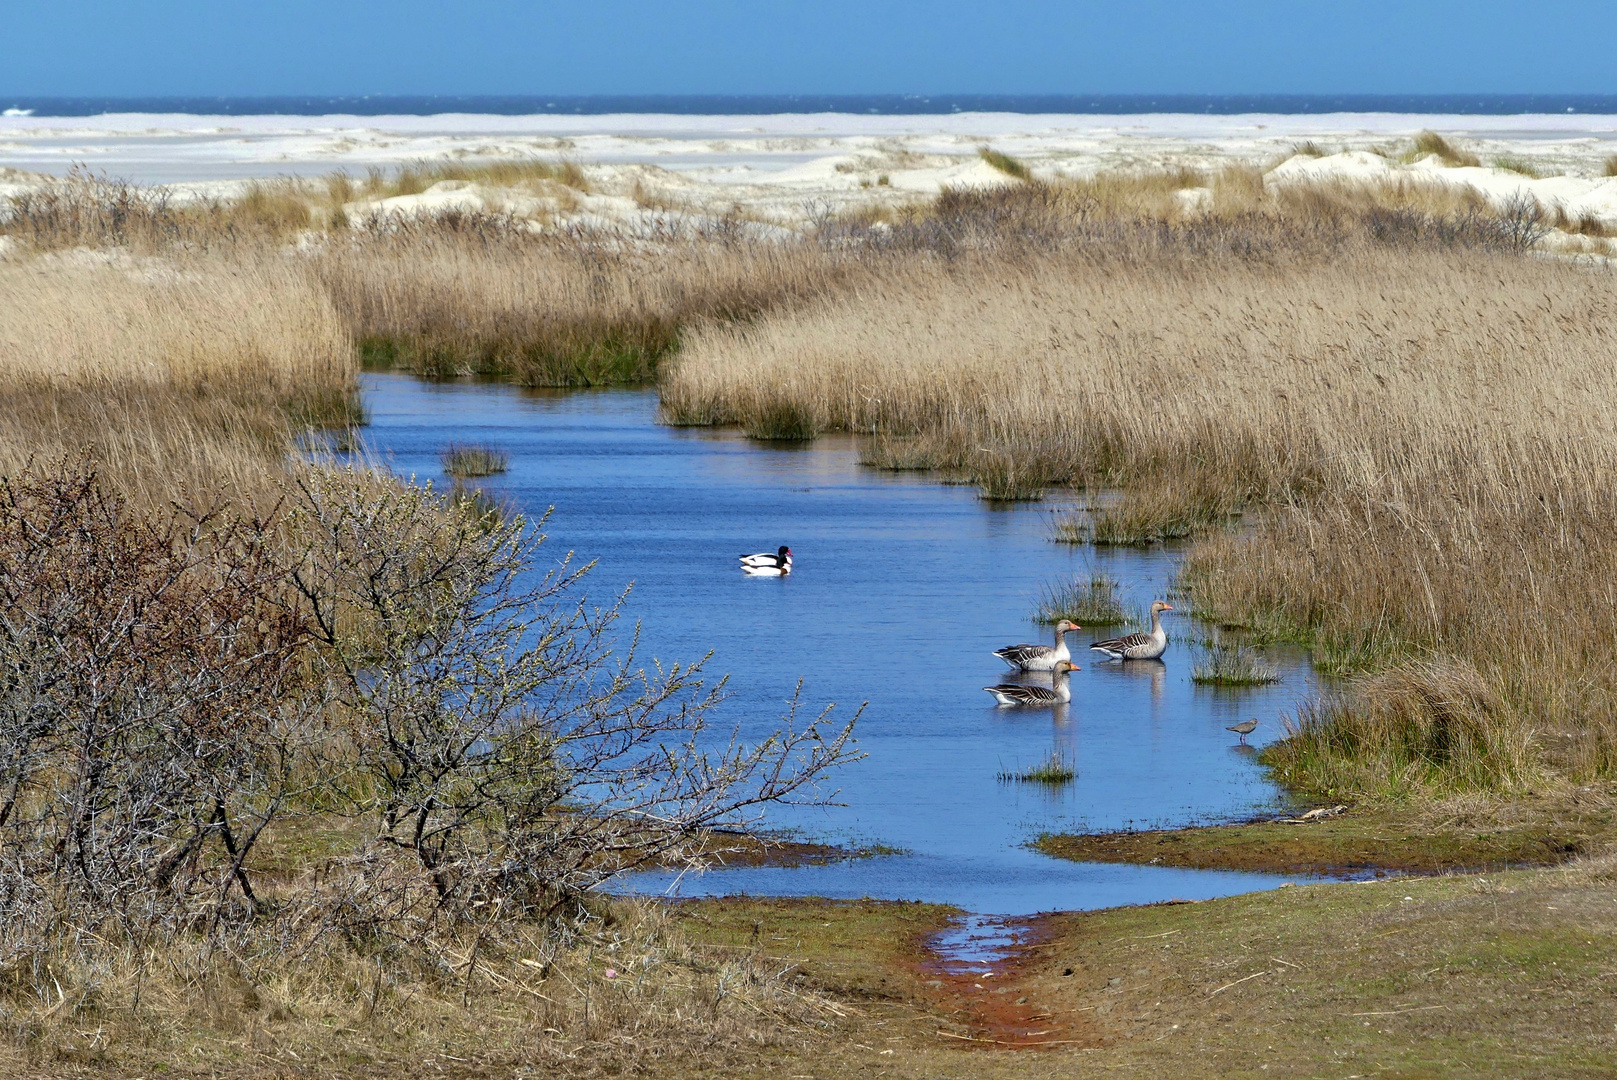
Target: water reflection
{"points": [[1153, 672]]}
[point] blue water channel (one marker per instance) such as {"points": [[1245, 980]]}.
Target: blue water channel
{"points": [[902, 587]]}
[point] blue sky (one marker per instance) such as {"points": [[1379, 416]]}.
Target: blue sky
{"points": [[227, 47]]}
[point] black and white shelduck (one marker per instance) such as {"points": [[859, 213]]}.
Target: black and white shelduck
{"points": [[1040, 657], [1057, 693], [777, 565], [1138, 646]]}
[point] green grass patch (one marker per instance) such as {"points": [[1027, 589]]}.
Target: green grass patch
{"points": [[1384, 838], [1231, 664], [562, 356], [1417, 727], [328, 409], [470, 460], [479, 507], [1088, 601], [1053, 771], [1133, 522]]}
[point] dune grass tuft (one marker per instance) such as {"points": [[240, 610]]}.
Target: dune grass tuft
{"points": [[464, 461], [1005, 163], [416, 177], [1519, 165], [1610, 168], [1431, 143]]}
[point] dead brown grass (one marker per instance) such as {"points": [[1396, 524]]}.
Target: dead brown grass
{"points": [[95, 212], [621, 988]]}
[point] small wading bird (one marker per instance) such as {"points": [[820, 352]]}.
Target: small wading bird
{"points": [[1058, 693], [1039, 657], [1244, 728], [1138, 646], [766, 565]]}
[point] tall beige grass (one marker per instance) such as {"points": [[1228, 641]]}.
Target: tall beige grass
{"points": [[1419, 430], [485, 296], [179, 373]]}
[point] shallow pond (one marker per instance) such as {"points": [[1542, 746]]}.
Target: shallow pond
{"points": [[902, 588]]}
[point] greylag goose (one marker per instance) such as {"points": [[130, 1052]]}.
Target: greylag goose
{"points": [[766, 565], [1039, 657], [1057, 693], [1138, 646], [1244, 728]]}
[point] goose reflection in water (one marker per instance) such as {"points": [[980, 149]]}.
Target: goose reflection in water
{"points": [[1155, 670]]}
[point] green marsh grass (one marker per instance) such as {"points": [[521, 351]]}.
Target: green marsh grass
{"points": [[1053, 770], [1007, 478], [464, 461], [1090, 600], [1411, 727], [1226, 663], [486, 512], [781, 420]]}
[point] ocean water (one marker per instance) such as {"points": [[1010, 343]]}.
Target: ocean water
{"points": [[776, 104]]}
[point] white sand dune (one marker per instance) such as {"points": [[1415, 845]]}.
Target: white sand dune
{"points": [[786, 168], [1578, 195]]}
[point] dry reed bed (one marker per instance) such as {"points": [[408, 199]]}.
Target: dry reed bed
{"points": [[482, 295], [182, 372], [1429, 426]]}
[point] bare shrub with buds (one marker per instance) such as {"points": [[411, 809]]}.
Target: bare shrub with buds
{"points": [[497, 739], [152, 712], [174, 683]]}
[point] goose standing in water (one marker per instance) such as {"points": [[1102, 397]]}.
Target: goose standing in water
{"points": [[1138, 646], [766, 565], [1040, 657], [1057, 693]]}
